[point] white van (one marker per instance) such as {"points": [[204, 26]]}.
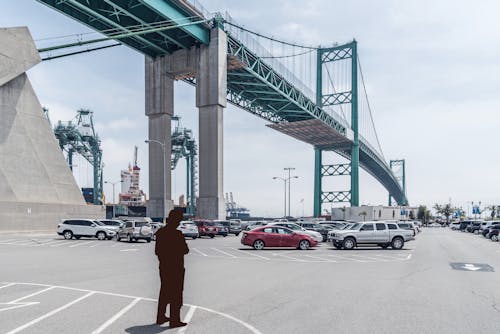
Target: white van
{"points": [[455, 225]]}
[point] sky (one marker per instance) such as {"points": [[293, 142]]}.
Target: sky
{"points": [[432, 71]]}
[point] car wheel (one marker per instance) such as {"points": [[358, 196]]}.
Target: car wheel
{"points": [[494, 237], [349, 243], [101, 235], [68, 235], [337, 245], [258, 244], [384, 246], [397, 243], [77, 237], [304, 245], [193, 238], [212, 236], [129, 238], [118, 238], [236, 234], [148, 239], [224, 235]]}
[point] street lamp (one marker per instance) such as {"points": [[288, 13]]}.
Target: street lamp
{"points": [[113, 184], [164, 174], [289, 169], [285, 180]]}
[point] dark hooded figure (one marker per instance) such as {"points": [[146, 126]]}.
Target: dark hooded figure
{"points": [[170, 249]]}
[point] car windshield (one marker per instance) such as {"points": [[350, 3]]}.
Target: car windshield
{"points": [[141, 224], [355, 226], [99, 223]]}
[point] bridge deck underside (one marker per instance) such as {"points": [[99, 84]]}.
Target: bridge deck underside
{"points": [[125, 16]]}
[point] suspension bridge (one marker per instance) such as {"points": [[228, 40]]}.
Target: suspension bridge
{"points": [[314, 94]]}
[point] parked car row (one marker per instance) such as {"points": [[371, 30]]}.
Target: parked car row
{"points": [[343, 235], [488, 229]]}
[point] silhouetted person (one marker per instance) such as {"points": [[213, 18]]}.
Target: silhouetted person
{"points": [[170, 249]]}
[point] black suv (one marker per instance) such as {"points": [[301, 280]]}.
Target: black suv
{"points": [[315, 227], [473, 227], [464, 224]]}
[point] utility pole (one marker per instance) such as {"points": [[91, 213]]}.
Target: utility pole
{"points": [[289, 169]]}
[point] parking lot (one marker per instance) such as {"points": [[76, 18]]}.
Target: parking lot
{"points": [[433, 285]]}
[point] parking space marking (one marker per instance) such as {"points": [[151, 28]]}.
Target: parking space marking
{"points": [[319, 258], [345, 258], [250, 252], [289, 257], [8, 240], [225, 253], [369, 258], [199, 252], [62, 243], [31, 295], [7, 285], [187, 318], [129, 250], [49, 314], [46, 243], [115, 317], [81, 244]]}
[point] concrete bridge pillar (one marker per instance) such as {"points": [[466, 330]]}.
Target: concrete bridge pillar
{"points": [[211, 90], [159, 109]]}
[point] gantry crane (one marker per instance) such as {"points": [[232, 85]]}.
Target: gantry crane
{"points": [[79, 137], [184, 145]]}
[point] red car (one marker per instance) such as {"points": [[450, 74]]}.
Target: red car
{"points": [[276, 236], [207, 228]]}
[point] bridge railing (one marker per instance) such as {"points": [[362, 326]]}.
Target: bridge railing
{"points": [[197, 6]]}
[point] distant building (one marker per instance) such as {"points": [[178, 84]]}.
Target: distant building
{"points": [[365, 212]]}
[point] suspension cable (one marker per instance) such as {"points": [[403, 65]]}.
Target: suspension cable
{"points": [[369, 107], [270, 38]]}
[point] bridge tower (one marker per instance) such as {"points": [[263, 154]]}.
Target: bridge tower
{"points": [[400, 174], [327, 55]]}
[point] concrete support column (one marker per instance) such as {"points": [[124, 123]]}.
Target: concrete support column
{"points": [[159, 109], [211, 90]]}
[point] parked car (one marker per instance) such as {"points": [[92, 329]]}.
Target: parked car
{"points": [[189, 229], [409, 226], [464, 224], [486, 231], [493, 234], [206, 228], [473, 227], [454, 225], [78, 228], [487, 224], [276, 236], [336, 224], [113, 224], [320, 228], [235, 226], [255, 224], [155, 226], [298, 229], [435, 225], [135, 230], [383, 234], [222, 228]]}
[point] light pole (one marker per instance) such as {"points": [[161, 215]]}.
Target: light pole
{"points": [[289, 169], [164, 175], [284, 182], [113, 184]]}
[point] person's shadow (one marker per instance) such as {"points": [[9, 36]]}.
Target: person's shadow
{"points": [[146, 329]]}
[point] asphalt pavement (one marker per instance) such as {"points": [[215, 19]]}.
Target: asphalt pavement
{"points": [[443, 282]]}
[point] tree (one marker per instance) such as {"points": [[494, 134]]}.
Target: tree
{"points": [[444, 210], [423, 214], [412, 215], [493, 210]]}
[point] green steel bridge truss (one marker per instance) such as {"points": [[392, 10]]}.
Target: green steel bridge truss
{"points": [[253, 85]]}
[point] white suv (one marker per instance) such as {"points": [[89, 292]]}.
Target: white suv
{"points": [[78, 228]]}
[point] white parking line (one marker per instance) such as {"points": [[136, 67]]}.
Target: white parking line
{"points": [[319, 258], [116, 316], [6, 286], [62, 243], [17, 242], [51, 313], [345, 258], [289, 257], [225, 253], [369, 257], [47, 243], [8, 240], [200, 252], [250, 252], [31, 295], [129, 250], [81, 244], [187, 318]]}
